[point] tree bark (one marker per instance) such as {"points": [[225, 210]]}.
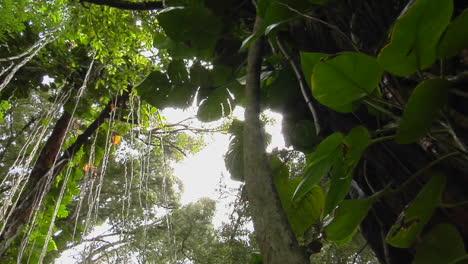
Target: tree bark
{"points": [[277, 241]]}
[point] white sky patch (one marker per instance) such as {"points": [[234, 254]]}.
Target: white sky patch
{"points": [[201, 173], [47, 80]]}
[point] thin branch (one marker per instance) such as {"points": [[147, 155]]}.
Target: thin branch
{"points": [[172, 145], [302, 84], [127, 5]]}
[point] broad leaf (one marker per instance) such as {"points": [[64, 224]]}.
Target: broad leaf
{"points": [[308, 62], [415, 37], [340, 183], [154, 89], [348, 217], [320, 162], [215, 106], [443, 244], [355, 144], [455, 37], [196, 26], [303, 213], [423, 106], [177, 72], [412, 221], [340, 81]]}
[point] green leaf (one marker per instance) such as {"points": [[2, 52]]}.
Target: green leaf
{"points": [[412, 221], [177, 72], [154, 89], [303, 213], [455, 37], [340, 183], [415, 37], [443, 244], [215, 106], [356, 142], [160, 93], [321, 160], [196, 26], [52, 246], [423, 106], [348, 216], [308, 62], [256, 258], [340, 81]]}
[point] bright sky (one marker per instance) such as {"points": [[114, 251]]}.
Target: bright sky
{"points": [[201, 173]]}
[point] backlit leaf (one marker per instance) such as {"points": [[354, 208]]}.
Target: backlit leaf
{"points": [[308, 62], [422, 108], [340, 81], [415, 37], [412, 221], [348, 217], [455, 37], [320, 162]]}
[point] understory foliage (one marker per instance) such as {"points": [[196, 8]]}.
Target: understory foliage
{"points": [[372, 93]]}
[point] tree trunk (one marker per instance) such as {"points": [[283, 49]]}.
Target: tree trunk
{"points": [[277, 241]]}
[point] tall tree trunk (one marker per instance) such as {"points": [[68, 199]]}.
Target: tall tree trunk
{"points": [[277, 241]]}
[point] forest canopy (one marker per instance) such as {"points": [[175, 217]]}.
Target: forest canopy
{"points": [[372, 93]]}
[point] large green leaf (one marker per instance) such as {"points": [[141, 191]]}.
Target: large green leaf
{"points": [[308, 62], [340, 182], [423, 106], [355, 144], [196, 26], [340, 81], [160, 92], [177, 72], [303, 213], [412, 221], [443, 244], [455, 37], [348, 216], [154, 89], [320, 162], [415, 37], [234, 157], [215, 106]]}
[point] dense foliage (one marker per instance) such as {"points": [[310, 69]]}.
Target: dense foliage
{"points": [[372, 95]]}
